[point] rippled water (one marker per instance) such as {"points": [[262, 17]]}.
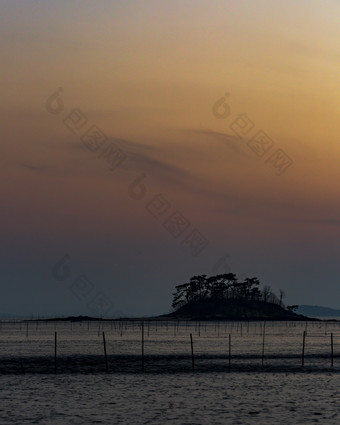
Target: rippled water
{"points": [[282, 392]]}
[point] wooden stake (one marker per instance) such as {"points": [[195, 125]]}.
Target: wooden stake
{"points": [[105, 354], [229, 351], [263, 337], [142, 345], [192, 354], [332, 350], [55, 352], [303, 348], [22, 367]]}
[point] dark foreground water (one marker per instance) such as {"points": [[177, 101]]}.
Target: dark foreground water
{"points": [[250, 398], [279, 391]]}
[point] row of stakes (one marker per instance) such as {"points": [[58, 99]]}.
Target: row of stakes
{"points": [[192, 351], [198, 327]]}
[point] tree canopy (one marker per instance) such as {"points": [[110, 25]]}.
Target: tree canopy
{"points": [[223, 287]]}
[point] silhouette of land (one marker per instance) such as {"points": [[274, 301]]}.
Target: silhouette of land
{"points": [[318, 311], [234, 310], [220, 297], [223, 297]]}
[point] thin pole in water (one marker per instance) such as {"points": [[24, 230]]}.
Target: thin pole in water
{"points": [[303, 348], [263, 337], [55, 352], [332, 351], [105, 354], [229, 351], [143, 345], [192, 354], [22, 367]]}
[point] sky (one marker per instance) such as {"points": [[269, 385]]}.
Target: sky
{"points": [[144, 142]]}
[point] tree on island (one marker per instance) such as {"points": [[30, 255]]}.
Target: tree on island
{"points": [[224, 287]]}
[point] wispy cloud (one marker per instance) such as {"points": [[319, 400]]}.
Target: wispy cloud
{"points": [[150, 158], [229, 140], [141, 157], [37, 168]]}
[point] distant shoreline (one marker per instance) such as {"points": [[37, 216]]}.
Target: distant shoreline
{"points": [[165, 318]]}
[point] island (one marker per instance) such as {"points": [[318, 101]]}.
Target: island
{"points": [[224, 297]]}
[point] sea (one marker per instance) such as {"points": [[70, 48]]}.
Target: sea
{"points": [[175, 372]]}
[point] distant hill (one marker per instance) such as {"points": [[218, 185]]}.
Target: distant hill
{"points": [[318, 311], [72, 319], [234, 310]]}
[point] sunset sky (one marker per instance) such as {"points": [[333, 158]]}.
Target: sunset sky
{"points": [[181, 95]]}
